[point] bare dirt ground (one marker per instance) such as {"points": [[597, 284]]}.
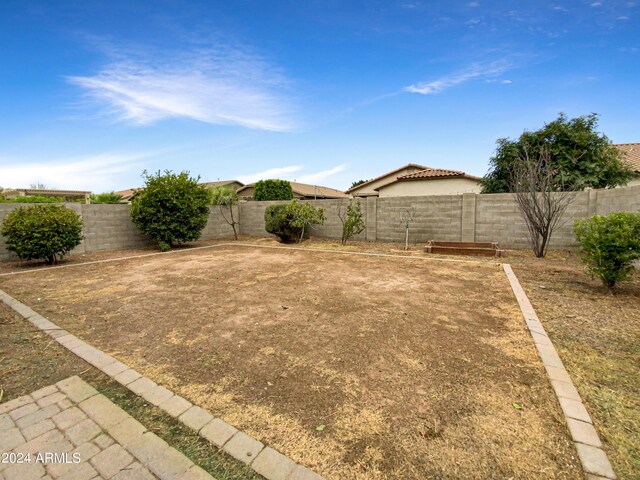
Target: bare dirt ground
{"points": [[358, 367]]}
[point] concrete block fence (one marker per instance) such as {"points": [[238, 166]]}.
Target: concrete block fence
{"points": [[467, 217]]}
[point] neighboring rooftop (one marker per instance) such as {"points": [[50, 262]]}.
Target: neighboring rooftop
{"points": [[436, 173], [128, 194], [222, 183], [630, 154], [305, 190], [392, 173]]}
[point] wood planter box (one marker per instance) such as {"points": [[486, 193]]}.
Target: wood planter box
{"points": [[464, 248]]}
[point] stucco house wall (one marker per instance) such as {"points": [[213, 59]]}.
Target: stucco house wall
{"points": [[439, 186]]}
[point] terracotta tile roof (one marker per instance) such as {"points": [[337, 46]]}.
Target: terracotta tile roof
{"points": [[630, 154], [127, 194], [436, 173], [408, 165], [310, 191]]}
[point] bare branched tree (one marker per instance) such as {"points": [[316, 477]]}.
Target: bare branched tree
{"points": [[541, 196], [406, 219], [226, 198]]}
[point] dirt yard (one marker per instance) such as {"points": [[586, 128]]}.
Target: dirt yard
{"points": [[358, 367]]}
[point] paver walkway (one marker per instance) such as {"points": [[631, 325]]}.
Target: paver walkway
{"points": [[69, 431]]}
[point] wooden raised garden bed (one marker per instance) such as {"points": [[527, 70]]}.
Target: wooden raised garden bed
{"points": [[464, 248]]}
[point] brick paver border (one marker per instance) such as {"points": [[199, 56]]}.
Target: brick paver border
{"points": [[585, 437], [275, 466], [73, 418]]}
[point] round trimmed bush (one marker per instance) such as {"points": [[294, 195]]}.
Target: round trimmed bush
{"points": [[609, 245], [278, 220], [42, 232], [172, 208], [291, 222]]}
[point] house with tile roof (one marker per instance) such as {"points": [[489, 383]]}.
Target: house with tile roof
{"points": [[631, 157], [301, 191], [417, 180], [431, 181], [368, 188]]}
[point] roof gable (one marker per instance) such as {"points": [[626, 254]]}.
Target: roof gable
{"points": [[432, 174], [388, 174]]}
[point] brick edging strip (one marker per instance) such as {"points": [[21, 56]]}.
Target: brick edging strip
{"points": [[262, 459], [153, 453], [585, 437]]}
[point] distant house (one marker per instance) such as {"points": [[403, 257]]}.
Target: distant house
{"points": [[127, 195], [302, 191], [369, 187], [66, 195], [418, 180], [631, 157], [235, 184], [431, 181]]}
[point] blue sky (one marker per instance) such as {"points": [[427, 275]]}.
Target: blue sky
{"points": [[324, 92]]}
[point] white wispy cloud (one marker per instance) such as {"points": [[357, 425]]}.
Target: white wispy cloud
{"points": [[292, 173], [271, 173], [221, 86], [94, 173], [314, 178], [474, 72]]}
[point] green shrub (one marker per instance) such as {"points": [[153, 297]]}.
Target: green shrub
{"points": [[352, 220], [291, 222], [171, 209], [609, 245], [42, 231], [272, 190], [106, 197], [35, 199]]}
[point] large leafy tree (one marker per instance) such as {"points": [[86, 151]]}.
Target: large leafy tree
{"points": [[580, 156], [173, 208]]}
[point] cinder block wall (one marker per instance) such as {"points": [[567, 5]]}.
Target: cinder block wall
{"points": [[468, 217], [436, 217], [252, 218], [498, 219], [109, 227]]}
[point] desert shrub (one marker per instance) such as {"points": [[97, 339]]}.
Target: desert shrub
{"points": [[291, 222], [609, 245], [272, 190], [352, 220], [171, 209], [106, 197], [42, 232]]}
